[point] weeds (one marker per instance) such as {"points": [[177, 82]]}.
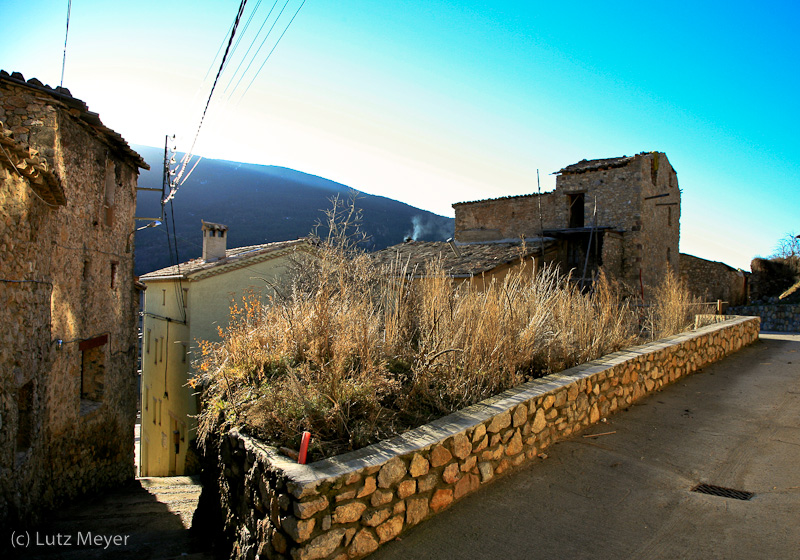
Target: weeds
{"points": [[355, 353]]}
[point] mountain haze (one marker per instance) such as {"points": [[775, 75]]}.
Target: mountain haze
{"points": [[260, 204]]}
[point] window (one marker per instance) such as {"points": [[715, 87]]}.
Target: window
{"points": [[159, 411], [146, 397], [576, 215], [93, 357], [161, 356], [114, 267], [185, 352], [163, 297], [669, 255], [86, 269], [185, 296], [108, 206], [155, 409], [147, 342], [654, 169]]}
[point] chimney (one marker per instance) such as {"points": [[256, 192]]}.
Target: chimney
{"points": [[214, 241]]}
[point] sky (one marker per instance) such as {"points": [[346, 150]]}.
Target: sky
{"points": [[435, 102]]}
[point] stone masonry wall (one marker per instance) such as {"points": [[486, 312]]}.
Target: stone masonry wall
{"points": [[66, 282], [713, 281], [347, 506], [783, 318], [640, 199], [509, 218]]}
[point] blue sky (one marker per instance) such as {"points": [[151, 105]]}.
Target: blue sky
{"points": [[439, 102]]}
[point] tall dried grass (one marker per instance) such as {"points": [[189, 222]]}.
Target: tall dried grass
{"points": [[354, 353]]}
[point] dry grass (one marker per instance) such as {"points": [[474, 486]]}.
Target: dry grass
{"points": [[673, 309], [354, 353]]}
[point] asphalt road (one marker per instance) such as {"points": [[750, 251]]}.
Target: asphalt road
{"points": [[627, 494]]}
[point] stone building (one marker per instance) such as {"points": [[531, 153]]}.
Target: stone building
{"points": [[624, 212], [184, 304], [67, 301]]}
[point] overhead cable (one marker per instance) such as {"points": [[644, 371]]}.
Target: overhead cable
{"points": [[244, 30], [253, 42], [273, 49], [66, 36], [173, 188], [260, 46]]}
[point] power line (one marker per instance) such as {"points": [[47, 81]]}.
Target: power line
{"points": [[273, 49], [258, 50], [66, 36], [219, 50], [244, 29], [236, 21]]}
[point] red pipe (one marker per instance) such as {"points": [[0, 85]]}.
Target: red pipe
{"points": [[301, 458]]}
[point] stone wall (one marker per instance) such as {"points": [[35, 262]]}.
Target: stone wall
{"points": [[347, 506], [712, 281], [783, 318], [637, 197], [67, 302]]}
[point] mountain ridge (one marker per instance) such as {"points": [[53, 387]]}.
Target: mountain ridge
{"points": [[260, 204]]}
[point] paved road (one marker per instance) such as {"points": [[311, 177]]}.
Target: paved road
{"points": [[627, 495]]}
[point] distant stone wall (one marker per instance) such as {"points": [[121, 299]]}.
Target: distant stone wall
{"points": [[347, 506], [640, 200], [67, 306], [509, 218], [783, 318], [712, 281]]}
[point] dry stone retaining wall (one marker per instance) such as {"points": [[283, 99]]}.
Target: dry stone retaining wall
{"points": [[783, 318], [347, 506]]}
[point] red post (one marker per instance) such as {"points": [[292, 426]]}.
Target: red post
{"points": [[301, 458]]}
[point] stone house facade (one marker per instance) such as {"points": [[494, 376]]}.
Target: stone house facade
{"points": [[624, 212], [185, 304], [67, 301]]}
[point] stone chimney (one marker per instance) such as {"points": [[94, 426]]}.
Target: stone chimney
{"points": [[214, 241]]}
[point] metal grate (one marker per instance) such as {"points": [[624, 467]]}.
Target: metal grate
{"points": [[722, 492]]}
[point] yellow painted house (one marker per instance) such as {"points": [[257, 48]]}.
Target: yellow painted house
{"points": [[182, 305]]}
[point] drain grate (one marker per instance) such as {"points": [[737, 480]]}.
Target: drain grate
{"points": [[722, 492]]}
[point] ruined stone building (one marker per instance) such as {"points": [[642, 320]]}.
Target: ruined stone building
{"points": [[620, 213], [184, 304], [67, 300], [624, 212]]}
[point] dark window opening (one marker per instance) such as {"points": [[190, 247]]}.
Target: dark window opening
{"points": [[110, 185], [25, 417], [576, 211], [669, 215], [114, 267], [93, 366], [86, 269], [654, 168]]}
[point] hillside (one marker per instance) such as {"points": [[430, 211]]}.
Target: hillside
{"points": [[261, 204]]}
